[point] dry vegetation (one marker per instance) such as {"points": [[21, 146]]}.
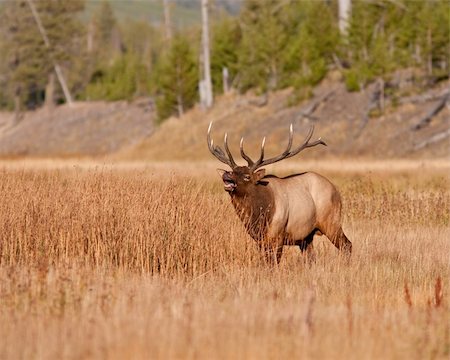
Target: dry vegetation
{"points": [[123, 262], [338, 121]]}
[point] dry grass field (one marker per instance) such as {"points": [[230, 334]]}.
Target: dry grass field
{"points": [[151, 262]]}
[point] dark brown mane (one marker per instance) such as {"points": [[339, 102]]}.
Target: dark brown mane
{"points": [[255, 208]]}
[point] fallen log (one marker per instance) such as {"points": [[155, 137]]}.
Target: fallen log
{"points": [[307, 113], [420, 99], [432, 113], [376, 102], [433, 139]]}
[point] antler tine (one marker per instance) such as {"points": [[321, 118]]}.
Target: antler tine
{"points": [[291, 138], [243, 154], [225, 145], [307, 138], [288, 153], [261, 156], [307, 144], [262, 162], [217, 151]]}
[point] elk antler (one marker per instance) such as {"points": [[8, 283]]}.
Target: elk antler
{"points": [[286, 154], [218, 152]]}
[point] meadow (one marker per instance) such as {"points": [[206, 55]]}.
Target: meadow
{"points": [[150, 261]]}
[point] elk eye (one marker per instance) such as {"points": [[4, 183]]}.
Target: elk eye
{"points": [[247, 177]]}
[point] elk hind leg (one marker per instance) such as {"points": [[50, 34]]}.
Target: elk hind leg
{"points": [[272, 253], [340, 240]]}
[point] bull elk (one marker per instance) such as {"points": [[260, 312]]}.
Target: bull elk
{"points": [[282, 211]]}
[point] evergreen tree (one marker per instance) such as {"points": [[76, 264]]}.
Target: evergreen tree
{"points": [[313, 39], [387, 35], [107, 42], [225, 44], [434, 37], [30, 62], [65, 33], [143, 41], [23, 53], [123, 80], [264, 38], [126, 75], [176, 79], [370, 44]]}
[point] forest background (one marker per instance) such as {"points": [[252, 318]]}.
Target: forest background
{"points": [[107, 53]]}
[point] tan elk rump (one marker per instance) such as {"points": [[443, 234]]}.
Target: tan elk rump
{"points": [[282, 211]]}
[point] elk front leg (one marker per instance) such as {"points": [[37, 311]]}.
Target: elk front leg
{"points": [[306, 245]]}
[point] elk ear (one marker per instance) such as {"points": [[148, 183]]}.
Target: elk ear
{"points": [[259, 174], [221, 172]]}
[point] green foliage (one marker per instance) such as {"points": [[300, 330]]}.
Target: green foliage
{"points": [[176, 79], [271, 44], [313, 40], [264, 38], [288, 44], [28, 60], [104, 29], [143, 41], [124, 79], [387, 35], [123, 58], [224, 53]]}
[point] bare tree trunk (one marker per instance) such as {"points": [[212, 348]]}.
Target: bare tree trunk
{"points": [[17, 105], [58, 71], [273, 79], [345, 10], [417, 53], [180, 106], [430, 53], [116, 42], [201, 90], [225, 80], [167, 21], [50, 91], [90, 37], [206, 60]]}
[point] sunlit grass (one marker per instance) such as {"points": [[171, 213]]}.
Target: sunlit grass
{"points": [[151, 261]]}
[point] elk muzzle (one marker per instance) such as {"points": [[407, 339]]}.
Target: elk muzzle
{"points": [[229, 182]]}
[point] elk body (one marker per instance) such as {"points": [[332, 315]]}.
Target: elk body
{"points": [[282, 211]]}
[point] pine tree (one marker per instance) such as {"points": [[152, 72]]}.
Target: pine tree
{"points": [[65, 33], [264, 37], [313, 40], [30, 62], [107, 42], [388, 35], [176, 79], [224, 54], [24, 52], [434, 37], [124, 79]]}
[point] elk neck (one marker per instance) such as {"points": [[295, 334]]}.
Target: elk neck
{"points": [[255, 207]]}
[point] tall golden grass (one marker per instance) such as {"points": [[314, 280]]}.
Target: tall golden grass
{"points": [[99, 262]]}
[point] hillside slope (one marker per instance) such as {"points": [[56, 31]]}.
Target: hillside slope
{"points": [[125, 131], [183, 13], [86, 129], [338, 116]]}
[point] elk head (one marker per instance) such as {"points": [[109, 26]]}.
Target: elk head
{"points": [[241, 178]]}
